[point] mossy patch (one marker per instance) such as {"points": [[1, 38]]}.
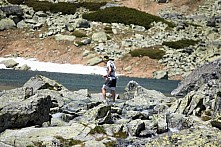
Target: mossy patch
{"points": [[65, 8], [17, 2], [180, 43], [79, 34], [108, 30], [126, 16], [151, 52], [120, 134], [68, 142], [98, 129], [110, 144]]}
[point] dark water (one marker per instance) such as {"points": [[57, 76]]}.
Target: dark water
{"points": [[12, 78]]}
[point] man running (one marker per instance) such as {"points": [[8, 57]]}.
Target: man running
{"points": [[110, 79]]}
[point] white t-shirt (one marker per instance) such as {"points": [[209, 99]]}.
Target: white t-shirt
{"points": [[113, 68]]}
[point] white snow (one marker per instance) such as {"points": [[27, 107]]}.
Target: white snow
{"points": [[55, 67]]}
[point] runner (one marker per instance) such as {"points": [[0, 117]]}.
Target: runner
{"points": [[110, 79]]}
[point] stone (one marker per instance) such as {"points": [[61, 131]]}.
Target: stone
{"points": [[23, 67], [31, 111], [6, 23], [40, 82], [201, 75], [60, 37], [12, 10], [94, 61], [10, 63], [81, 23], [160, 74], [99, 37]]}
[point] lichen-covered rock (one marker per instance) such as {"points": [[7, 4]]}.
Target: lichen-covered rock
{"points": [[44, 136], [10, 63], [27, 112], [195, 136], [200, 76], [40, 82], [100, 114]]}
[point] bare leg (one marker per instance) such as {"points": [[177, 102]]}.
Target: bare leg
{"points": [[113, 95], [103, 93]]}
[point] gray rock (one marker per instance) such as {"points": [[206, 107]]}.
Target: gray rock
{"points": [[199, 77], [94, 61], [31, 21], [46, 136], [32, 111], [160, 74], [23, 67], [2, 14], [41, 14], [6, 23], [81, 23], [64, 37], [22, 24], [12, 10], [10, 63], [5, 145], [100, 114], [70, 27], [40, 82], [179, 121], [135, 127], [86, 41], [99, 37]]}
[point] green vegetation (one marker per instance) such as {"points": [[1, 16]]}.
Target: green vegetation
{"points": [[110, 144], [120, 134], [16, 2], [68, 142], [180, 43], [65, 8], [126, 16], [123, 15], [79, 34], [39, 144], [108, 30], [98, 129], [151, 52]]}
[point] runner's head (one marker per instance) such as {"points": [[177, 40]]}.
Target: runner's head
{"points": [[107, 58]]}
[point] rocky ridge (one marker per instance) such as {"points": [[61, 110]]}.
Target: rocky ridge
{"points": [[203, 25]]}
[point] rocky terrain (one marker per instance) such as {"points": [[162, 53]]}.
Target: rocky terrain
{"points": [[44, 113], [44, 37]]}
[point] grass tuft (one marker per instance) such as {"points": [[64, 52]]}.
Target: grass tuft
{"points": [[180, 43], [151, 52], [126, 16], [98, 129]]}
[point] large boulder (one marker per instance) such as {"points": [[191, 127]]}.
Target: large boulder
{"points": [[6, 23], [162, 74], [99, 37], [12, 10], [40, 82], [196, 136], [27, 112], [46, 136], [204, 93], [100, 114], [199, 77], [60, 37], [9, 63]]}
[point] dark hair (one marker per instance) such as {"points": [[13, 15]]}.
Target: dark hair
{"points": [[106, 57]]}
